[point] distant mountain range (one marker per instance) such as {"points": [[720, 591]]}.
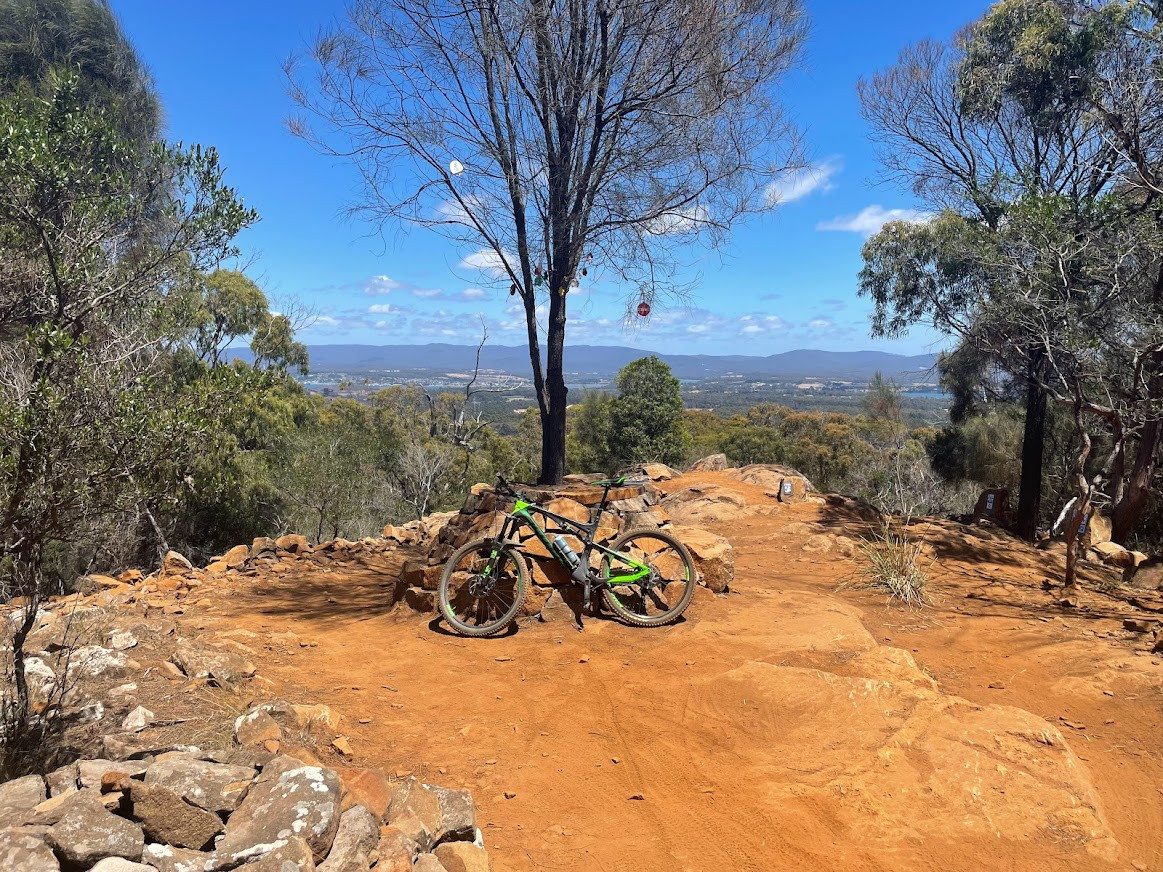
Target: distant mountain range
{"points": [[604, 361]]}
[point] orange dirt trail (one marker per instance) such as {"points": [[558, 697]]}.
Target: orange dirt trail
{"points": [[752, 731]]}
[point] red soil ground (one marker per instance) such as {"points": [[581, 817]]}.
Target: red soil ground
{"points": [[785, 726]]}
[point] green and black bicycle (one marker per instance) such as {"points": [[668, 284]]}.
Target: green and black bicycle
{"points": [[646, 576]]}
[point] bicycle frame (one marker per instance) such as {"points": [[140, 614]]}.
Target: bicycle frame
{"points": [[522, 515]]}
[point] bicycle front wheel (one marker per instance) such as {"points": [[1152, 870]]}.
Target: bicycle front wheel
{"points": [[651, 578], [482, 588]]}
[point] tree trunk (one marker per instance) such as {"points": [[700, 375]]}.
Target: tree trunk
{"points": [[553, 418], [19, 673], [1033, 441], [1126, 512]]}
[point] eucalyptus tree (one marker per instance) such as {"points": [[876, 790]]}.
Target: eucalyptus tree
{"points": [[40, 39], [973, 153], [1048, 255], [95, 236], [558, 137]]}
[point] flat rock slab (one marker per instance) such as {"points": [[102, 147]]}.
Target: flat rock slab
{"points": [[87, 832], [462, 857], [293, 856], [18, 797], [90, 773], [216, 787], [166, 858], [355, 842], [166, 817], [224, 667], [116, 864], [288, 800], [22, 851]]}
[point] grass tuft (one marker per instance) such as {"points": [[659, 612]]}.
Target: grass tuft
{"points": [[892, 562]]}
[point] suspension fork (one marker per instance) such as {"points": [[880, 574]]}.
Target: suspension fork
{"points": [[502, 536]]}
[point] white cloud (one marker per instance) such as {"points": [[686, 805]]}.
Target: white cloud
{"points": [[697, 328], [471, 294], [679, 221], [753, 324], [487, 261], [377, 285], [381, 309], [326, 321], [427, 293], [797, 184], [870, 219], [820, 323], [453, 211]]}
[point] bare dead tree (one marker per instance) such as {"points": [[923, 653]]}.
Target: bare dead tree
{"points": [[462, 426], [558, 136]]}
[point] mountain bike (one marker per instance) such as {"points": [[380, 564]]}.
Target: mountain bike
{"points": [[645, 576]]}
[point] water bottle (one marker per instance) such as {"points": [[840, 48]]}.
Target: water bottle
{"points": [[566, 553]]}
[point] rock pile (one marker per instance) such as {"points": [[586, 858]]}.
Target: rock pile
{"points": [[187, 810], [628, 507]]}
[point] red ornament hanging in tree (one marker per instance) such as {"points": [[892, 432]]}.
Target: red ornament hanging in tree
{"points": [[643, 309]]}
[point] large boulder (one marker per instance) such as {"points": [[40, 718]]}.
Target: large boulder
{"points": [[236, 557], [88, 832], [215, 787], [367, 787], [397, 850], [994, 505], [166, 817], [443, 814], [658, 471], [288, 799], [256, 728], [19, 797], [713, 555], [1112, 554], [293, 543], [787, 484], [462, 857], [1148, 574], [697, 505], [355, 842], [224, 667], [26, 851], [176, 564], [93, 661], [710, 463]]}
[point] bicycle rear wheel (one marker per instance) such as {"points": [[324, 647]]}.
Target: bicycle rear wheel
{"points": [[482, 588], [663, 591]]}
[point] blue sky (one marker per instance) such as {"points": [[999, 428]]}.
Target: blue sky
{"points": [[785, 280]]}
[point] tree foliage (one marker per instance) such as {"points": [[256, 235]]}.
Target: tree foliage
{"points": [[41, 40], [1036, 133]]}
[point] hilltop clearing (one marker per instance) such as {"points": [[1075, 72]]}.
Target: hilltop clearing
{"points": [[795, 722]]}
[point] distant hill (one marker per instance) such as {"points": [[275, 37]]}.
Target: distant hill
{"points": [[602, 361]]}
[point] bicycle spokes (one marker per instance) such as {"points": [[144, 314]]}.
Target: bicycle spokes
{"points": [[648, 577], [483, 586]]}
